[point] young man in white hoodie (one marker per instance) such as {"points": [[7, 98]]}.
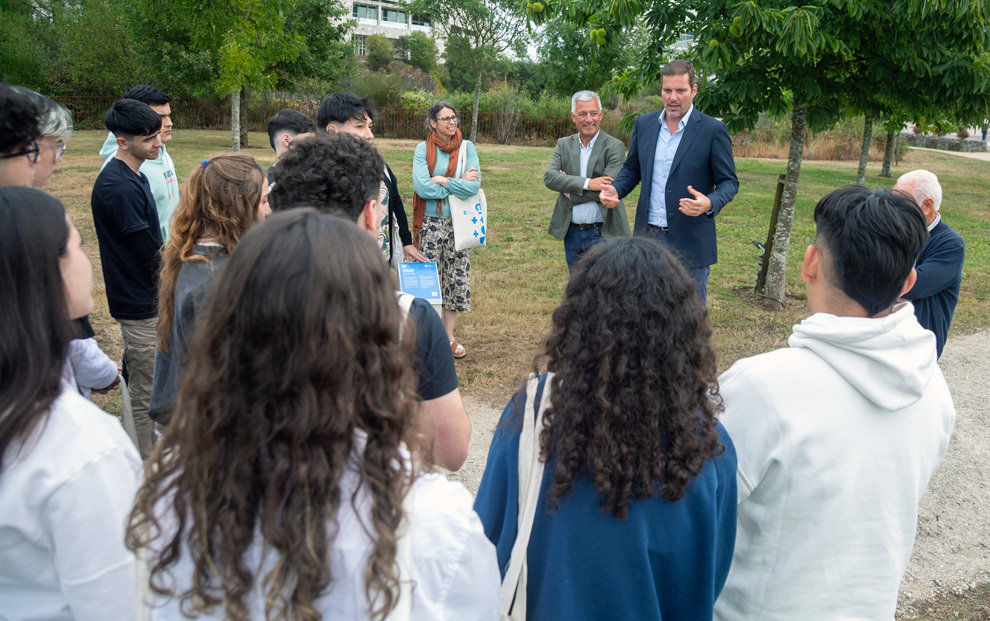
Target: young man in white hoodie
{"points": [[837, 435]]}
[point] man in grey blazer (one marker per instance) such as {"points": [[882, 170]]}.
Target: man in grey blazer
{"points": [[582, 165]]}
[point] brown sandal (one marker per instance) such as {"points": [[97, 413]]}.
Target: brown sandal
{"points": [[457, 349]]}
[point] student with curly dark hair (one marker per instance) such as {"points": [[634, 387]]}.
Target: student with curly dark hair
{"points": [[340, 174], [68, 473], [636, 510], [224, 197], [349, 114], [283, 488], [20, 127]]}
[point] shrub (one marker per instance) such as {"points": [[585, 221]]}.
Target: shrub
{"points": [[381, 88], [419, 50], [380, 51], [415, 100]]}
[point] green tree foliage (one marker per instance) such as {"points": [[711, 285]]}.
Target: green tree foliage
{"points": [[477, 33], [807, 60], [419, 50], [573, 62], [380, 51], [461, 63], [237, 44], [26, 45], [86, 68], [328, 53]]}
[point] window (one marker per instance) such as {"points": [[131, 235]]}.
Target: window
{"points": [[361, 11], [391, 15], [358, 41], [421, 20]]}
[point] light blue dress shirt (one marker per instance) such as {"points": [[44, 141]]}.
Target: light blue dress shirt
{"points": [[663, 158], [586, 213]]}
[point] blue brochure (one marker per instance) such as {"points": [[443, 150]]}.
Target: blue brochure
{"points": [[420, 280]]}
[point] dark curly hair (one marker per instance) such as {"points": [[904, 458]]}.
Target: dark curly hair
{"points": [[635, 391], [336, 173], [297, 355], [20, 120]]}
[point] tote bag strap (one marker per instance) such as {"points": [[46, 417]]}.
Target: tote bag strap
{"points": [[461, 159], [513, 595]]}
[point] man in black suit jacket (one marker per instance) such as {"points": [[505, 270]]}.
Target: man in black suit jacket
{"points": [[684, 159]]}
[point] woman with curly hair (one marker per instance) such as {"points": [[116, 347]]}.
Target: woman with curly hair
{"points": [[68, 472], [283, 488], [636, 512], [224, 197]]}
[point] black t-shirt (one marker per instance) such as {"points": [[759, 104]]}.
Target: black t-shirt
{"points": [[433, 360], [130, 239]]}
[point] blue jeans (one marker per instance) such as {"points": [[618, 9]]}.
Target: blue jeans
{"points": [[577, 241], [699, 275]]}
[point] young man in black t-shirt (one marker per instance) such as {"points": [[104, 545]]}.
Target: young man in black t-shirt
{"points": [[127, 228], [349, 172]]}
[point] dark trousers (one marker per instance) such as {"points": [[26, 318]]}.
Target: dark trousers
{"points": [[699, 275], [578, 240]]}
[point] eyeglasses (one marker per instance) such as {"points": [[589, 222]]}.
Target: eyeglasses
{"points": [[448, 119], [59, 149], [31, 153]]}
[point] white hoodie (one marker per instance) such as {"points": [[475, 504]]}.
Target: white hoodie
{"points": [[837, 437]]}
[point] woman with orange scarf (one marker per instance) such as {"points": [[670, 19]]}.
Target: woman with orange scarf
{"points": [[434, 179]]}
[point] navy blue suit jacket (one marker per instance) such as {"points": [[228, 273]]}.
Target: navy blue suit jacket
{"points": [[936, 291], [704, 161]]}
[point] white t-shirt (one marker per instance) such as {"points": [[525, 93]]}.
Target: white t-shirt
{"points": [[64, 502], [455, 573]]}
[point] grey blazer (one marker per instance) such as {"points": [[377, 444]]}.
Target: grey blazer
{"points": [[606, 159]]}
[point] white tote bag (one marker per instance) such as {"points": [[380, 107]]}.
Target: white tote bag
{"points": [[512, 606], [468, 215]]}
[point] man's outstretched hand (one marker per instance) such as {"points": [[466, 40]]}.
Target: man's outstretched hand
{"points": [[695, 206], [608, 196]]}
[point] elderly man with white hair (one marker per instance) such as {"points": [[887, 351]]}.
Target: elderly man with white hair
{"points": [[940, 263]]}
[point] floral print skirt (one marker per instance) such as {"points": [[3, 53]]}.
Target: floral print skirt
{"points": [[454, 266]]}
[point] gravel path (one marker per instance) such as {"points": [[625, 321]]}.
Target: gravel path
{"points": [[952, 550]]}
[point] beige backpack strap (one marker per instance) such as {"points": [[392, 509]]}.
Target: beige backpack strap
{"points": [[513, 597]]}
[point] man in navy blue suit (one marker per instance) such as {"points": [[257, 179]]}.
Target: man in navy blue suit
{"points": [[940, 263], [684, 159]]}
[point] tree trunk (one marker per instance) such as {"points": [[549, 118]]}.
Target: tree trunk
{"points": [[244, 123], [777, 273], [888, 154], [477, 102], [864, 151], [235, 121]]}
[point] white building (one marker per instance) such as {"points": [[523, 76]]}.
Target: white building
{"points": [[386, 18]]}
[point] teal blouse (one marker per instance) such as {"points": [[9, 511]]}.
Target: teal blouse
{"points": [[434, 193]]}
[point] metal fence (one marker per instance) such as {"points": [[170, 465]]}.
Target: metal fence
{"points": [[408, 123], [214, 113]]}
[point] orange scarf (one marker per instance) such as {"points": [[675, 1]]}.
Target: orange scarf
{"points": [[433, 143]]}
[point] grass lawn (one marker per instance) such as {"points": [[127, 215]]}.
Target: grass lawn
{"points": [[519, 278]]}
